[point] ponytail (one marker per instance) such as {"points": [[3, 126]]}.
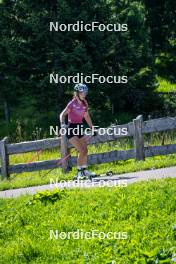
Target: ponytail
{"points": [[85, 103]]}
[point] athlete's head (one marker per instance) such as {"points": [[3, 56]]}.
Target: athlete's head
{"points": [[81, 90]]}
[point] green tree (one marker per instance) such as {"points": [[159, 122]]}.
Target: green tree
{"points": [[30, 52]]}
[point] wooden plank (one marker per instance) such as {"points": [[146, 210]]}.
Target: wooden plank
{"points": [[109, 138], [160, 150], [111, 156], [4, 159], [138, 138], [35, 166], [29, 146], [93, 159], [160, 124]]}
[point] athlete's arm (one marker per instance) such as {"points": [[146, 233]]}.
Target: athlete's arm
{"points": [[63, 115], [88, 119]]}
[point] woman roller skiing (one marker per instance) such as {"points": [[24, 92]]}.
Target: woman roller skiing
{"points": [[77, 110]]}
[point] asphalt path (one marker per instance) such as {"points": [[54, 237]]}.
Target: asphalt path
{"points": [[121, 180]]}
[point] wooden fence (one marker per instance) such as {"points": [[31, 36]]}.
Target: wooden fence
{"points": [[135, 129]]}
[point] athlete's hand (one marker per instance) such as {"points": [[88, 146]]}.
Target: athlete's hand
{"points": [[63, 125]]}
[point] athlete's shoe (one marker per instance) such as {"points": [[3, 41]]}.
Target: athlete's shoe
{"points": [[89, 173], [81, 175]]}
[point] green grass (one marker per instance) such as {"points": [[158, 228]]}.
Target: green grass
{"points": [[118, 167], [146, 211], [165, 85]]}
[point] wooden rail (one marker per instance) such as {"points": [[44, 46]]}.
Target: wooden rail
{"points": [[135, 129]]}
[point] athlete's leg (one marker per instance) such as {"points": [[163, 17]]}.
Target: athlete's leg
{"points": [[81, 145], [87, 173], [83, 142]]}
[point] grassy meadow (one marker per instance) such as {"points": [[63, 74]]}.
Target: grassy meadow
{"points": [[145, 212]]}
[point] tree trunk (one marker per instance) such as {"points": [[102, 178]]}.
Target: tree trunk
{"points": [[7, 112]]}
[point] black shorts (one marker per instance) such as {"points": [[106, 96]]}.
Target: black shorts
{"points": [[75, 130]]}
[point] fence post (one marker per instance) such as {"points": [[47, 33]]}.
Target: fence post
{"points": [[4, 159], [66, 164], [138, 138]]}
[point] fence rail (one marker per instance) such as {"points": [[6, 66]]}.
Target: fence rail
{"points": [[135, 129]]}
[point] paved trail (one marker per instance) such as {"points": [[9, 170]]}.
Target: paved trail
{"points": [[115, 180]]}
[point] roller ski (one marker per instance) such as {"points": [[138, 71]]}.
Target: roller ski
{"points": [[107, 174], [84, 174]]}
